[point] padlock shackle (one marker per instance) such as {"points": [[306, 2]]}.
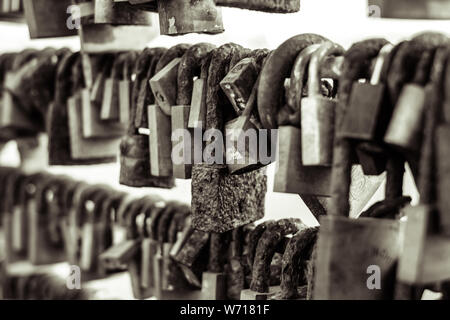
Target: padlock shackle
{"points": [[165, 220], [190, 66], [298, 76], [254, 237], [156, 214], [317, 59], [296, 255], [379, 64], [118, 66], [177, 223], [266, 249], [422, 74]]}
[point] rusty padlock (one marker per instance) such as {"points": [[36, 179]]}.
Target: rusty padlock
{"points": [[178, 17]]}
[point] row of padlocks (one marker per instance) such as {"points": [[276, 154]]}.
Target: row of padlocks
{"points": [[338, 117]]}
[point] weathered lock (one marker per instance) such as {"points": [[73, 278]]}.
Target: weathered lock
{"points": [[45, 241], [160, 149], [317, 113], [192, 256], [214, 279], [120, 13], [376, 247], [239, 82], [260, 288], [265, 6], [197, 115], [43, 23], [434, 9], [177, 17], [125, 86], [164, 85], [368, 114], [295, 263], [110, 102], [405, 126], [183, 143]]}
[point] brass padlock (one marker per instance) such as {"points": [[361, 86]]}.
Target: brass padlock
{"points": [[317, 113], [405, 126], [178, 17]]}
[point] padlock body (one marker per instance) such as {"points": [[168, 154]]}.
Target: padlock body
{"points": [[348, 252], [291, 176], [164, 86], [367, 115], [197, 115], [406, 123], [317, 122], [443, 176]]}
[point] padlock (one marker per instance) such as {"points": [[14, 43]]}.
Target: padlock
{"points": [[96, 93], [292, 176], [372, 96], [405, 126], [135, 164], [45, 240], [11, 217], [149, 247], [189, 67], [160, 149], [84, 10], [103, 149], [142, 95], [183, 143], [125, 85], [214, 282], [43, 23], [368, 114], [210, 177], [239, 82], [92, 125], [163, 85], [434, 9], [277, 68], [348, 278], [297, 254], [192, 257], [110, 102], [260, 288], [289, 6], [120, 13], [209, 205], [317, 113], [177, 17]]}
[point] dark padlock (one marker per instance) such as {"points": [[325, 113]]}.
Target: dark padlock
{"points": [[317, 113], [369, 124], [125, 86], [43, 23], [260, 288], [367, 112], [178, 17]]}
